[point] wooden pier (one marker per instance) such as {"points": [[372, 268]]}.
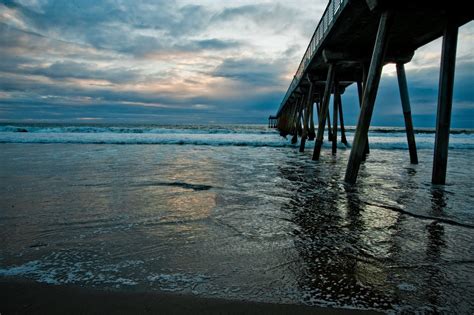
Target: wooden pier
{"points": [[352, 42]]}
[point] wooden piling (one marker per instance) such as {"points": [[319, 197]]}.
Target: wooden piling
{"points": [[334, 113], [402, 84], [324, 111], [368, 99], [445, 102]]}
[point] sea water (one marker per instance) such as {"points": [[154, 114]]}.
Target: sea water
{"points": [[236, 212]]}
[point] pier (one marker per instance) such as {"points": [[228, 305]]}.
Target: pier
{"points": [[352, 42]]}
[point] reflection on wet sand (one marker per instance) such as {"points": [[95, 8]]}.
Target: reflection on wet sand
{"points": [[332, 240], [188, 196], [356, 253]]}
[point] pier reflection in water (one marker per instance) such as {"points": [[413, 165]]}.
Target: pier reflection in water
{"points": [[357, 251]]}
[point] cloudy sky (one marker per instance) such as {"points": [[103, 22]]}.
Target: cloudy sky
{"points": [[186, 61]]}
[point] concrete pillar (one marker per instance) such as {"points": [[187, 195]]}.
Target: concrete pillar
{"points": [[402, 84], [329, 125], [309, 101], [335, 109], [368, 99], [311, 134], [445, 102], [360, 93], [341, 120], [324, 112]]}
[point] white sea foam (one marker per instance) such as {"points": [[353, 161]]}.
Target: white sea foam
{"points": [[377, 140]]}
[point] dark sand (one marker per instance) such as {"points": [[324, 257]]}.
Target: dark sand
{"points": [[27, 297]]}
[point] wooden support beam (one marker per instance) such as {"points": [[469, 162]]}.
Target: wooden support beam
{"points": [[334, 113], [368, 99], [323, 112], [402, 84], [445, 102], [341, 120], [360, 94]]}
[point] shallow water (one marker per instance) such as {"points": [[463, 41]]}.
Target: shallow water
{"points": [[252, 222]]}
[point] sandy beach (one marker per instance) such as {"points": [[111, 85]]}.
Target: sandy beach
{"points": [[27, 297]]}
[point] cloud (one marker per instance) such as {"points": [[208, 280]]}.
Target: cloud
{"points": [[251, 71], [147, 59]]}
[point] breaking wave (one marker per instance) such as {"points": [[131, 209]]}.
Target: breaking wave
{"points": [[217, 135]]}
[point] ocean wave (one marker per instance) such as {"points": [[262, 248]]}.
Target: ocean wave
{"points": [[247, 140], [137, 130], [193, 129]]}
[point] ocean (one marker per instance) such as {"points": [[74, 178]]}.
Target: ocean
{"points": [[236, 212]]}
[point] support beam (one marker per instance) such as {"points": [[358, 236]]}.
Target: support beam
{"points": [[329, 125], [445, 102], [402, 84], [309, 103], [334, 113], [311, 134], [368, 99], [304, 131], [341, 120], [299, 125], [294, 120], [361, 93], [324, 111]]}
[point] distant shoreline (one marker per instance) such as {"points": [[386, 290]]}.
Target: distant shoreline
{"points": [[20, 296]]}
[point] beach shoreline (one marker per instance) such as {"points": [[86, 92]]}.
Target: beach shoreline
{"points": [[20, 296]]}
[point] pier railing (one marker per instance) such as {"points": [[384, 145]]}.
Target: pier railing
{"points": [[329, 16]]}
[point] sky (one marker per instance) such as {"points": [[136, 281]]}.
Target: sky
{"points": [[187, 62]]}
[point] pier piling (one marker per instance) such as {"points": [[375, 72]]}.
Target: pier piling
{"points": [[402, 84], [341, 120], [309, 100], [324, 111], [344, 39], [360, 93], [445, 100], [335, 109], [368, 98]]}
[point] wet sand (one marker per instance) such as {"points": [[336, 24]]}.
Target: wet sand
{"points": [[27, 297]]}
